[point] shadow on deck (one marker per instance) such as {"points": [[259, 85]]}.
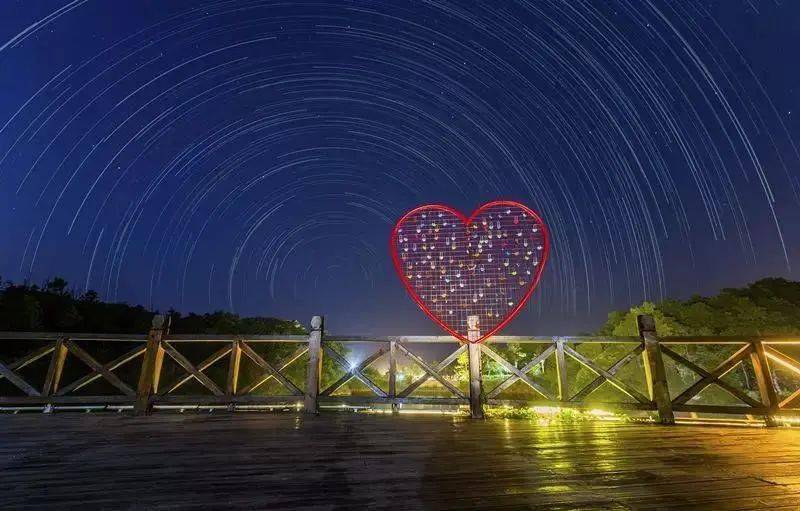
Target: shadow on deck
{"points": [[347, 461]]}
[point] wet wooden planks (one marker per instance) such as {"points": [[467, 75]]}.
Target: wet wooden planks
{"points": [[350, 461]]}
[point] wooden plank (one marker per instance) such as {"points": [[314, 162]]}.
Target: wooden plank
{"points": [[187, 365], [99, 368], [267, 368], [55, 369], [792, 401], [726, 409], [314, 367], [430, 371], [783, 359], [393, 374], [766, 388], [114, 364], [354, 372], [713, 376], [202, 366], [516, 372], [614, 369], [738, 393], [525, 369], [17, 381], [233, 368], [31, 357], [150, 372], [278, 461], [627, 389], [655, 373], [476, 395], [414, 385], [561, 371]]}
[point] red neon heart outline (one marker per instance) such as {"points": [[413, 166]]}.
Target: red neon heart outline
{"points": [[467, 221]]}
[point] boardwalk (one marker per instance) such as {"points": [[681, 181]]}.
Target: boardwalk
{"points": [[348, 461]]}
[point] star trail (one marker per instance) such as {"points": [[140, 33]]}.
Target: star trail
{"points": [[253, 156]]}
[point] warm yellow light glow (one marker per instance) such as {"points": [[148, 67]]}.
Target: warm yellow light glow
{"points": [[784, 363]]}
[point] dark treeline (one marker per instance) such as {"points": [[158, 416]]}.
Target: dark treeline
{"points": [[54, 307]]}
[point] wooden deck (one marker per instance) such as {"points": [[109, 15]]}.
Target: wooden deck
{"points": [[351, 461]]}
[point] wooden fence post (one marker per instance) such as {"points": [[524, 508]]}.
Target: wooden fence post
{"points": [[148, 376], [233, 373], [475, 373], [393, 375], [654, 369], [314, 372], [765, 385], [54, 372], [561, 371]]}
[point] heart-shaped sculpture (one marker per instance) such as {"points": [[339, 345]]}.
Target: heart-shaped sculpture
{"points": [[470, 275]]}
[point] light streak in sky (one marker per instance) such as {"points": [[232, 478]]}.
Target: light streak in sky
{"points": [[252, 155]]}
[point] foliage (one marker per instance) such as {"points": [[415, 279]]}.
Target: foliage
{"points": [[768, 306]]}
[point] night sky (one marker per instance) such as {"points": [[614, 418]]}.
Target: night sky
{"points": [[253, 156]]}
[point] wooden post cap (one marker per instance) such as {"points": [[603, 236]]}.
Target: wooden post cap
{"points": [[646, 323], [158, 321]]}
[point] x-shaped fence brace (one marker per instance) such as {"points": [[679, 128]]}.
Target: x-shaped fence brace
{"points": [[518, 374], [356, 371], [100, 370], [712, 377], [9, 371], [792, 401], [197, 372], [432, 372], [603, 375]]}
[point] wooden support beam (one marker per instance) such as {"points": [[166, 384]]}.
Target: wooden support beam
{"points": [[476, 396], [95, 374], [270, 373], [266, 367], [147, 376], [393, 374], [314, 372], [99, 368], [766, 388], [561, 371], [521, 375], [475, 381], [655, 372], [525, 369], [56, 368], [233, 368], [614, 369], [452, 357], [202, 366], [714, 375], [737, 393], [354, 372], [610, 378], [433, 373]]}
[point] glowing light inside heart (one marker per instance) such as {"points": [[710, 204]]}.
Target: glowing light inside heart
{"points": [[486, 267]]}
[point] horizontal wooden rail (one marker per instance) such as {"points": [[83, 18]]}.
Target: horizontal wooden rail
{"points": [[318, 370]]}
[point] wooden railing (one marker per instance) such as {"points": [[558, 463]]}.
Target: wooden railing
{"points": [[760, 376]]}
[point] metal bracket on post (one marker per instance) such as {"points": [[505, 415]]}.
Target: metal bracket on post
{"points": [[151, 367], [475, 374], [654, 369], [314, 372]]}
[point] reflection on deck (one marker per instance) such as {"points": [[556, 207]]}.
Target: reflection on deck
{"points": [[347, 461]]}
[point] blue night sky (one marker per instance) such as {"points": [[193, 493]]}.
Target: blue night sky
{"points": [[253, 156]]}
